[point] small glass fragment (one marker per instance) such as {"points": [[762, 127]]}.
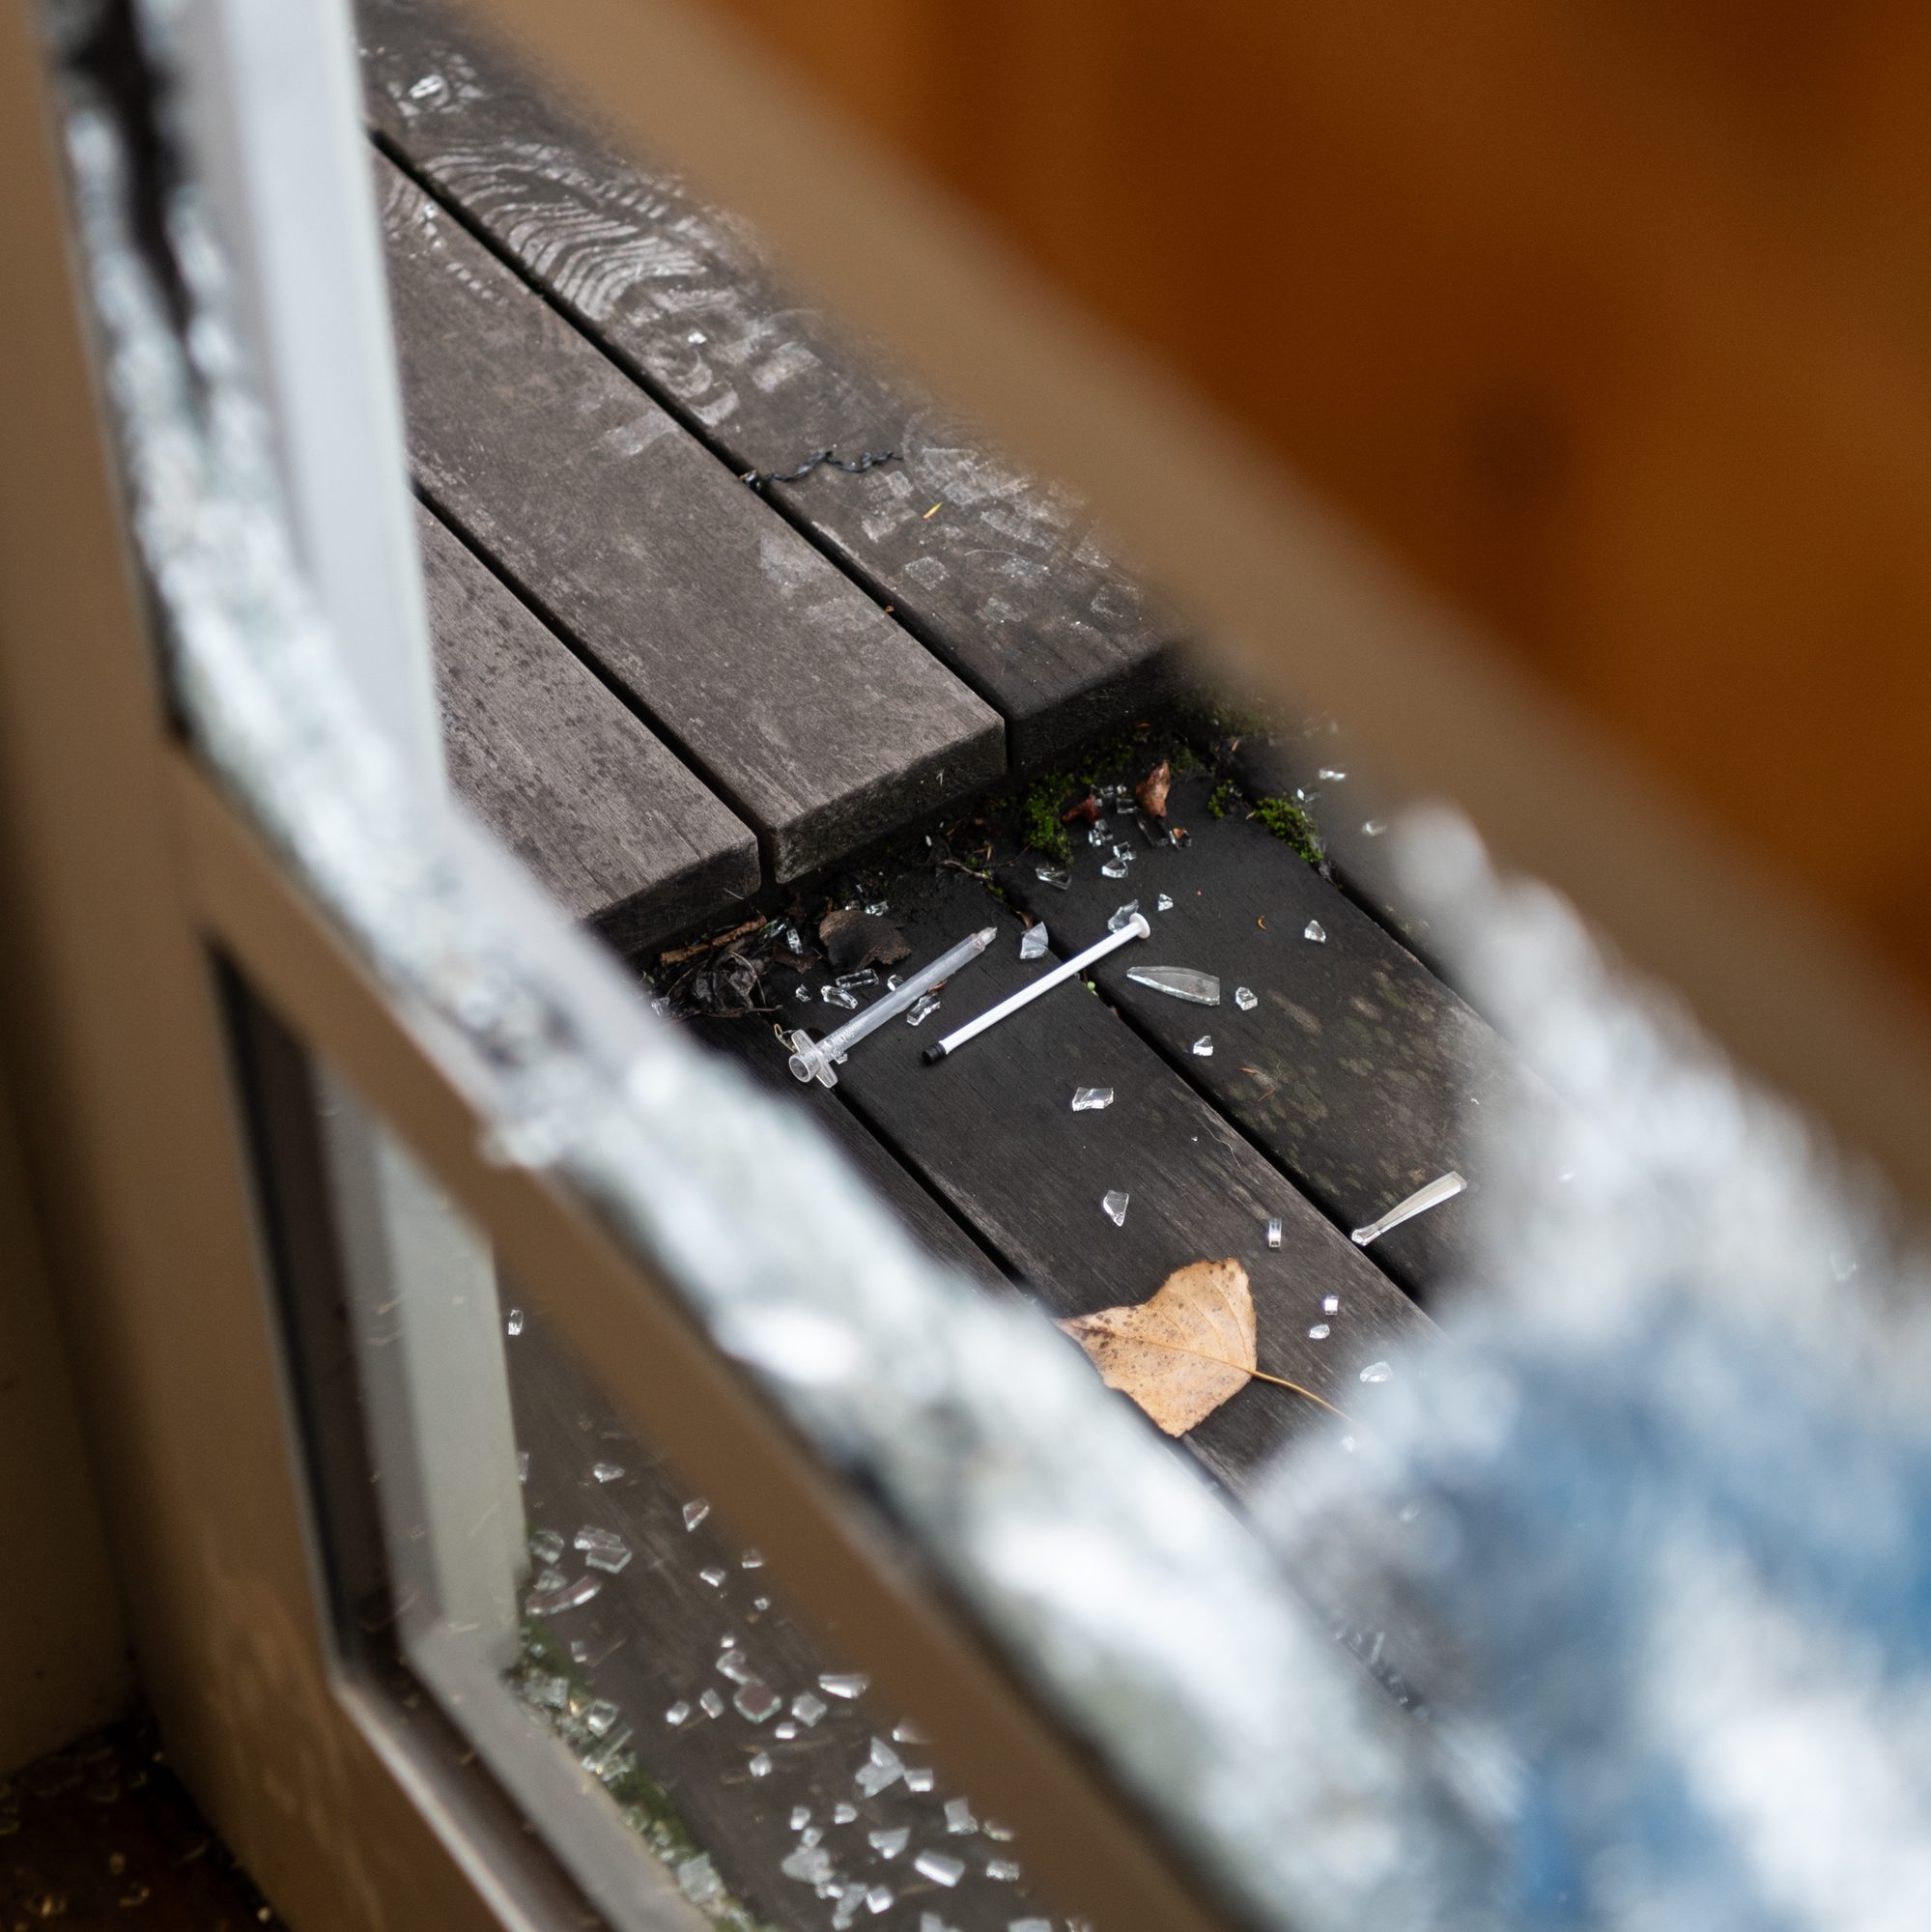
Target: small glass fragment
{"points": [[1179, 983], [1003, 1869], [580, 1651], [1033, 942], [679, 1713], [761, 1764], [761, 1604], [1090, 1099], [1444, 1187], [606, 1472], [523, 1465], [1058, 877], [513, 1321], [1113, 1205], [922, 1010], [567, 1596], [794, 939], [710, 1703], [1202, 1047], [757, 1702], [1320, 1332], [598, 1717], [1327, 775], [801, 1816], [959, 1821], [808, 1709], [1330, 1304], [546, 1546], [905, 1732], [860, 981], [736, 1665], [1122, 916], [879, 1900], [919, 1777], [993, 1829], [844, 1683], [1374, 827], [1114, 868], [698, 1880], [876, 909], [1274, 1231], [800, 992], [1376, 1371], [844, 1813], [548, 1578], [809, 1864], [787, 1730], [603, 1549], [850, 1900], [1097, 836], [889, 1844], [1316, 931], [1244, 998], [1164, 903], [881, 1766], [836, 996], [752, 1559], [1029, 1925], [715, 1577], [939, 1868], [695, 1511]]}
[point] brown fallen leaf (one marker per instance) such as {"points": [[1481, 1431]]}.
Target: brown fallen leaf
{"points": [[1152, 790], [1181, 1354], [1085, 813], [853, 939]]}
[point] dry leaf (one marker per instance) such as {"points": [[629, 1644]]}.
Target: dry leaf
{"points": [[1085, 813], [1152, 790], [1181, 1353], [854, 939]]}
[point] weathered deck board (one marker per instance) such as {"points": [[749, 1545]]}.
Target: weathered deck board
{"points": [[653, 1637], [992, 1132], [597, 806], [1007, 581], [796, 698], [1359, 1071]]}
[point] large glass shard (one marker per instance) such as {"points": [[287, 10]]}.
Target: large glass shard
{"points": [[1179, 983]]}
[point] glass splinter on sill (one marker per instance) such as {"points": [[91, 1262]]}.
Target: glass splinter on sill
{"points": [[1164, 903], [1320, 1332], [863, 980], [959, 1821], [1330, 1304], [1097, 836], [606, 1472], [1003, 1869], [546, 1546], [801, 1816], [808, 1865], [876, 909], [1177, 982], [714, 1577], [1122, 916], [1033, 942], [695, 1511], [808, 1709], [513, 1321], [1244, 998], [567, 1596], [1202, 1047], [1274, 1231], [1060, 877], [710, 1703], [1114, 868], [761, 1764], [1444, 1187], [919, 1777], [879, 1900], [757, 1702], [844, 1812], [844, 1683], [1376, 1371], [881, 1766], [889, 1844], [1113, 1205], [549, 1578], [787, 1730], [752, 1559], [939, 1868], [678, 1713], [922, 1010], [1316, 931], [736, 1665], [598, 1717], [1090, 1099]]}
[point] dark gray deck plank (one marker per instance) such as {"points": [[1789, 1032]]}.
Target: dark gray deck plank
{"points": [[991, 1130], [1359, 1072], [1008, 580], [591, 801], [794, 696]]}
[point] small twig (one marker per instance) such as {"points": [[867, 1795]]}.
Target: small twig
{"points": [[710, 945]]}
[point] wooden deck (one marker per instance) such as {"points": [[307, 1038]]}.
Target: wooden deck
{"points": [[699, 707]]}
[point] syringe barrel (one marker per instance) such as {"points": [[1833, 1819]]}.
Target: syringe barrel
{"points": [[902, 996]]}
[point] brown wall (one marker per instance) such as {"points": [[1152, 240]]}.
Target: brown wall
{"points": [[1614, 319]]}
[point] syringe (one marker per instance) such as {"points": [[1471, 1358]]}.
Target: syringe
{"points": [[812, 1060]]}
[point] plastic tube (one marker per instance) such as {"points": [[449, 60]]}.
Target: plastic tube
{"points": [[812, 1060]]}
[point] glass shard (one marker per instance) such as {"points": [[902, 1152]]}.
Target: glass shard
{"points": [[562, 1597], [876, 909], [919, 1777], [844, 1812], [757, 1702], [1330, 1304], [939, 1868], [1244, 998], [959, 1821], [710, 1703], [606, 1472], [879, 1900], [523, 1465], [881, 1766], [809, 1864], [922, 1010], [1122, 916], [714, 1577], [1060, 877], [1164, 903], [844, 1683], [1113, 1205], [1202, 1047], [1033, 942], [1179, 983], [888, 1844], [679, 1713], [1004, 1870], [695, 1511], [905, 1732], [801, 1816], [1316, 931], [761, 1764], [1090, 1099], [1327, 775], [836, 996], [1376, 1371], [1444, 1187], [1374, 827], [736, 1665], [1274, 1231], [1320, 1332], [1114, 868], [513, 1321], [808, 1709], [752, 1559], [600, 1716], [546, 1547]]}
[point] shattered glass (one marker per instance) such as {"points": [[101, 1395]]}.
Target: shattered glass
{"points": [[1090, 1100], [1179, 983], [1033, 942]]}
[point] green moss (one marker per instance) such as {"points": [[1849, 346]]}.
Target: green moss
{"points": [[1040, 806], [1182, 758], [1222, 799], [1292, 823]]}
